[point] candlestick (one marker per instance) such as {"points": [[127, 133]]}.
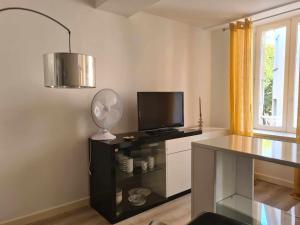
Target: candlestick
{"points": [[200, 115]]}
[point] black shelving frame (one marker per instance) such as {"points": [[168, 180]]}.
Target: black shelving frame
{"points": [[104, 174]]}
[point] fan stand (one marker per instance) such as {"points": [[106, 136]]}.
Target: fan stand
{"points": [[103, 134]]}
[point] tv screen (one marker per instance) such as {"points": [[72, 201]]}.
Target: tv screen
{"points": [[157, 110]]}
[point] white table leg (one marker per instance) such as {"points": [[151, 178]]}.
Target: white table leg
{"points": [[203, 181], [219, 175]]}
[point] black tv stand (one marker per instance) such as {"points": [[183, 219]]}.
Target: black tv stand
{"points": [[161, 131], [107, 178]]}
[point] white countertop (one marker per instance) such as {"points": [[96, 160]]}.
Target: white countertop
{"points": [[279, 152]]}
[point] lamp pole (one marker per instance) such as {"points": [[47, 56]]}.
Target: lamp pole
{"points": [[42, 14], [65, 69]]}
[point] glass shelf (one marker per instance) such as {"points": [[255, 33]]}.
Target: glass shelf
{"points": [[152, 179], [255, 213], [136, 172], [126, 208]]}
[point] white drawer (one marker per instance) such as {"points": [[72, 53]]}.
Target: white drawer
{"points": [[178, 173], [183, 144], [180, 144]]}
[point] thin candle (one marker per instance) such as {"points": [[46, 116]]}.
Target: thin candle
{"points": [[200, 107], [200, 114]]}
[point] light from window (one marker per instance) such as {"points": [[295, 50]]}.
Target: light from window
{"points": [[296, 83], [277, 57], [272, 69]]}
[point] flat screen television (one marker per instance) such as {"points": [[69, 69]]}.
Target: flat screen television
{"points": [[159, 110]]}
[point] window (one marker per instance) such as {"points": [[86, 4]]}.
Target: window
{"points": [[277, 76]]}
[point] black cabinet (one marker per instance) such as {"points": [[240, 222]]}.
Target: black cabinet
{"points": [[129, 177]]}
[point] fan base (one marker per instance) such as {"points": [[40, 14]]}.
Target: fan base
{"points": [[103, 135]]}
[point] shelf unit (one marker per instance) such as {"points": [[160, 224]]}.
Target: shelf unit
{"points": [[107, 178]]}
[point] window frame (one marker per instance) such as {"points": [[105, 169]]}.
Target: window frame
{"points": [[294, 21], [257, 72]]}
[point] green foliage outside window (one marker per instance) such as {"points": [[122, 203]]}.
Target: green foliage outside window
{"points": [[269, 54]]}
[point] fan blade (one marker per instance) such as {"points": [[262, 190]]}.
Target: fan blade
{"points": [[112, 117], [99, 110], [109, 100]]}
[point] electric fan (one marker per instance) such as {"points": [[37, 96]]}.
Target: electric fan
{"points": [[107, 110]]}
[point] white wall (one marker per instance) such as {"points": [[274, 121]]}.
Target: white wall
{"points": [[278, 174], [274, 173], [220, 78], [44, 132]]}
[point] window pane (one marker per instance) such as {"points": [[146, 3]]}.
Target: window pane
{"points": [[272, 77], [296, 83]]}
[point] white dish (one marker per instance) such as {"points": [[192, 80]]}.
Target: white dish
{"points": [[140, 191], [137, 199]]}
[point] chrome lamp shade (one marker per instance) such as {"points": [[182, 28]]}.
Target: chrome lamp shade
{"points": [[69, 70]]}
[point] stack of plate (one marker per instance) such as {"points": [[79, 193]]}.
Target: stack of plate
{"points": [[124, 163]]}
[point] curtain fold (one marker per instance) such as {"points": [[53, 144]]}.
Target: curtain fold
{"points": [[241, 78]]}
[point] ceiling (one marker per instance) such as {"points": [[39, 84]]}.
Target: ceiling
{"points": [[124, 7], [202, 13], [209, 13]]}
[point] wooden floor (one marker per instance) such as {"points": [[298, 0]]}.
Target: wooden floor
{"points": [[177, 212], [274, 195]]}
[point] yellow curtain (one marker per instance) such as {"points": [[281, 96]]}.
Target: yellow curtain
{"points": [[241, 78]]}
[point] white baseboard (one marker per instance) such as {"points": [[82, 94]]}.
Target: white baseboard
{"points": [[274, 180], [44, 214]]}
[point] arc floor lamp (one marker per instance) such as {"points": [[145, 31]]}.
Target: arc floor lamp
{"points": [[65, 69]]}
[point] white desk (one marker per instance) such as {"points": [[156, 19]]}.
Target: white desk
{"points": [[223, 177]]}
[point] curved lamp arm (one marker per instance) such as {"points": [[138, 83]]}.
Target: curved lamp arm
{"points": [[70, 70], [42, 14]]}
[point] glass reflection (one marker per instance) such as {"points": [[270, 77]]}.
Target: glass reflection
{"points": [[270, 148], [267, 148], [237, 207]]}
